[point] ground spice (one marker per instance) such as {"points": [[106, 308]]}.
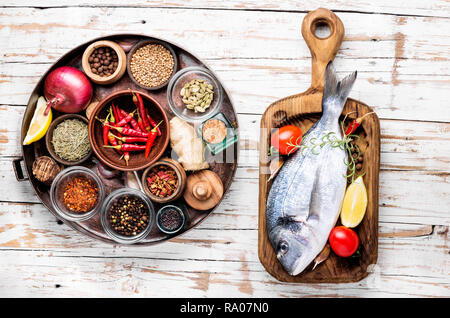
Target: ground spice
{"points": [[152, 65], [171, 219], [162, 181], [128, 215], [80, 195], [214, 131]]}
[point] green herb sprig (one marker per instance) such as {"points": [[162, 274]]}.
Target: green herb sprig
{"points": [[330, 139]]}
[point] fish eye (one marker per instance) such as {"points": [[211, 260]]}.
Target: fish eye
{"points": [[283, 247]]}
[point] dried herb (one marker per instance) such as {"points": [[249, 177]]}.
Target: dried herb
{"points": [[71, 140]]}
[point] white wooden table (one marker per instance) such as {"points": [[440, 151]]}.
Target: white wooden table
{"points": [[401, 50]]}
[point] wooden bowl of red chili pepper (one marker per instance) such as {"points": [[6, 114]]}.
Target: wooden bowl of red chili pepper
{"points": [[128, 130]]}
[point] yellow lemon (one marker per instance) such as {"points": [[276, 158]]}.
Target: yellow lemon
{"points": [[39, 123], [355, 204]]}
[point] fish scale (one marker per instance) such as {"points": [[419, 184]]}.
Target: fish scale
{"points": [[305, 198]]}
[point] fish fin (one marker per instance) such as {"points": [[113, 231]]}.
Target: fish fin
{"points": [[335, 88], [314, 201]]}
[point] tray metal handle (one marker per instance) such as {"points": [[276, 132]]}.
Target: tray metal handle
{"points": [[20, 175]]}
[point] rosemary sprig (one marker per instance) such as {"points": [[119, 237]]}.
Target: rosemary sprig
{"points": [[330, 139]]}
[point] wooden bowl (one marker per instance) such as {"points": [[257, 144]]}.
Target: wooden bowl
{"points": [[181, 175], [121, 67], [143, 43], [109, 156], [49, 136]]}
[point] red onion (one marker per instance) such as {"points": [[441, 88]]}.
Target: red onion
{"points": [[67, 90]]}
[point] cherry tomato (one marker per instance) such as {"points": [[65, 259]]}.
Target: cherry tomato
{"points": [[285, 138], [343, 241]]}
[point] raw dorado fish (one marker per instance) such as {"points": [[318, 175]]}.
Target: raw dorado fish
{"points": [[306, 196]]}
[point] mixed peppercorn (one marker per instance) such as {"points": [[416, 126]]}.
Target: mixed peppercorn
{"points": [[128, 215]]}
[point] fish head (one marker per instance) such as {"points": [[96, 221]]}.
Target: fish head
{"points": [[293, 249]]}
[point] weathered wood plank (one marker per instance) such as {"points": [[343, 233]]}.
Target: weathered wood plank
{"points": [[393, 62], [254, 84], [215, 262], [30, 274], [415, 7], [229, 33]]}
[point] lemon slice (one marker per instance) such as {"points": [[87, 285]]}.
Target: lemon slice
{"points": [[39, 123], [355, 204]]}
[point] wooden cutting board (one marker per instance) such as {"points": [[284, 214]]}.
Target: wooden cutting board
{"points": [[303, 110]]}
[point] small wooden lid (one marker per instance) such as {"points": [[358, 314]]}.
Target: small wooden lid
{"points": [[204, 190]]}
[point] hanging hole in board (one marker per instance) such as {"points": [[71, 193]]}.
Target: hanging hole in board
{"points": [[322, 29]]}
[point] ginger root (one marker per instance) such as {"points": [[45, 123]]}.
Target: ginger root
{"points": [[188, 146]]}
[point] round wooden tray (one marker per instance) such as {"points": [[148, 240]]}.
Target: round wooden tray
{"points": [[220, 163]]}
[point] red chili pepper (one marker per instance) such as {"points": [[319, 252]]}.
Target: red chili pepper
{"points": [[105, 130], [127, 147], [131, 139], [153, 123], [133, 121], [116, 115], [112, 118], [151, 139], [130, 132], [124, 120], [141, 107], [139, 121], [113, 141], [355, 124]]}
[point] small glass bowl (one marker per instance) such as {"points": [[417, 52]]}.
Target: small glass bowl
{"points": [[182, 213], [176, 102], [57, 192], [105, 213]]}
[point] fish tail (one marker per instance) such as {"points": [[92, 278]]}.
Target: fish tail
{"points": [[337, 89]]}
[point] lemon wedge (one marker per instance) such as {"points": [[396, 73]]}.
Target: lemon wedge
{"points": [[355, 204], [39, 123]]}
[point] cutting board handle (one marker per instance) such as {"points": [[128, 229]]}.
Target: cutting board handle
{"points": [[322, 50]]}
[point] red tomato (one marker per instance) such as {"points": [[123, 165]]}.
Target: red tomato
{"points": [[284, 136], [343, 241]]}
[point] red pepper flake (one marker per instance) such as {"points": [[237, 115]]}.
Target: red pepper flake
{"points": [[162, 181], [80, 195]]}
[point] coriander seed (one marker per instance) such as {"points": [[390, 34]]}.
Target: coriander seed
{"points": [[152, 65]]}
